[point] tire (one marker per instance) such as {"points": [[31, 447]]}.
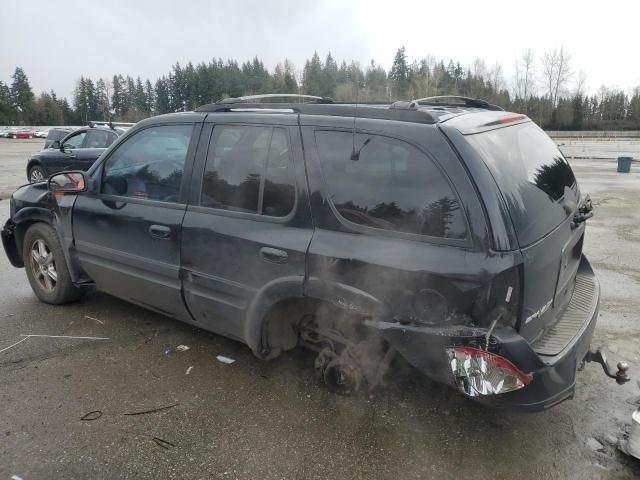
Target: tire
{"points": [[46, 266], [36, 174]]}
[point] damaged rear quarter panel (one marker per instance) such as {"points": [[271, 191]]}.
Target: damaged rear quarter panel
{"points": [[381, 274]]}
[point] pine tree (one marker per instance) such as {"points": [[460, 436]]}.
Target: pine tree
{"points": [[149, 99], [312, 75], [329, 77], [22, 97], [102, 98], [399, 75], [7, 110], [162, 100], [290, 82], [117, 97]]}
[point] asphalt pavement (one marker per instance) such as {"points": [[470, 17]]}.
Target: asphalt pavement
{"points": [[75, 408]]}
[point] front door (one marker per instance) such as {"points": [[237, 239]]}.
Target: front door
{"points": [[248, 225], [127, 235]]}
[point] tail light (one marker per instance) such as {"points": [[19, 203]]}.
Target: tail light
{"points": [[477, 372], [512, 117]]}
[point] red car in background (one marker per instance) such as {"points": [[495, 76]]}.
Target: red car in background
{"points": [[25, 134]]}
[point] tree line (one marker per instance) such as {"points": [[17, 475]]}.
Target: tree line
{"points": [[546, 88]]}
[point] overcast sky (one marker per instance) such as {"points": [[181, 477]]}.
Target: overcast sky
{"points": [[100, 38]]}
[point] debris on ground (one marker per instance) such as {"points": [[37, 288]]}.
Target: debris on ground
{"points": [[226, 360], [153, 410], [95, 319], [88, 417], [188, 370], [182, 348], [594, 445], [163, 443], [66, 336]]}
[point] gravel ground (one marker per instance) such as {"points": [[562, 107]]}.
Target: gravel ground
{"points": [[272, 420]]}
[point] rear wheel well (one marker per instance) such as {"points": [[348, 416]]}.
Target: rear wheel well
{"points": [[350, 353], [283, 324], [280, 326]]}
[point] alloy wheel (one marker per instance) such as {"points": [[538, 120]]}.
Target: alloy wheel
{"points": [[36, 175], [43, 265]]}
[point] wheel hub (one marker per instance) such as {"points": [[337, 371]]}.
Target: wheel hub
{"points": [[43, 265]]}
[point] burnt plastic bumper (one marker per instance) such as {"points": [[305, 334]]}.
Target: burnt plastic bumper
{"points": [[554, 376]]}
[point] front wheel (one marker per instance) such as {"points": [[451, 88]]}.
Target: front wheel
{"points": [[36, 174], [46, 266]]}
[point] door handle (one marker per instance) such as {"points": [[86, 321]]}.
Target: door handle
{"points": [[72, 155], [159, 231], [273, 255]]}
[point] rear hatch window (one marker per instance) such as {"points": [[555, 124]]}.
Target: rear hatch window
{"points": [[536, 181]]}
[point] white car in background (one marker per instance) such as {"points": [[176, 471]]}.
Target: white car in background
{"points": [[41, 133]]}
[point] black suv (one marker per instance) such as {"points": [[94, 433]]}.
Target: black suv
{"points": [[75, 151], [446, 231]]}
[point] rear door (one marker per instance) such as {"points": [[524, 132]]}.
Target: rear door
{"points": [[392, 237], [127, 235], [95, 142], [542, 196], [64, 158], [247, 225]]}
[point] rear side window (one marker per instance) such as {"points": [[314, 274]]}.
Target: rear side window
{"points": [[149, 164], [391, 185], [97, 139], [249, 170], [536, 181]]}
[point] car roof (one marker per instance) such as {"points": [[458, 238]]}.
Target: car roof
{"points": [[429, 110], [471, 114]]}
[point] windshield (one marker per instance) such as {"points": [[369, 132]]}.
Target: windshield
{"points": [[536, 181]]}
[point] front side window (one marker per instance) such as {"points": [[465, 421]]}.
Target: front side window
{"points": [[388, 184], [74, 141], [249, 170], [149, 164]]}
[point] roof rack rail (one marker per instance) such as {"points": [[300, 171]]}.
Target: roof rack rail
{"points": [[413, 115], [312, 98], [402, 105], [111, 125], [441, 101]]}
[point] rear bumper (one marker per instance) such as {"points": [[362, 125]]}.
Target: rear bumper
{"points": [[554, 376]]}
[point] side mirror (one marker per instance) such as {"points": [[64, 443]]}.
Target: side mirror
{"points": [[67, 182], [55, 144]]}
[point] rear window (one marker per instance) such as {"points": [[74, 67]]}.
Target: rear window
{"points": [[536, 181]]}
